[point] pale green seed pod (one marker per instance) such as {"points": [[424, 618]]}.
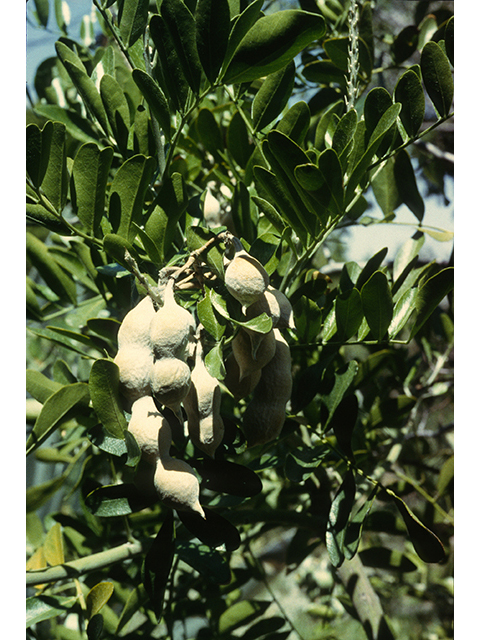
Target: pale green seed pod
{"points": [[251, 355], [135, 328], [276, 305], [245, 277], [134, 364], [170, 380]]}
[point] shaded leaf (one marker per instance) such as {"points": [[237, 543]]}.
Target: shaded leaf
{"points": [[427, 545], [430, 295], [372, 265], [211, 564], [272, 96], [158, 563], [337, 50], [115, 500], [272, 42], [338, 519], [39, 494], [343, 422], [39, 386], [51, 166], [196, 238], [407, 184], [116, 107], [449, 40], [36, 156], [57, 408], [409, 92], [212, 19], [240, 26], [106, 399], [155, 98], [237, 140], [241, 613], [132, 20], [324, 183], [343, 379], [377, 304], [295, 122], [90, 174], [214, 530], [229, 477], [389, 559], [386, 188], [437, 77], [209, 131], [43, 607], [405, 44], [348, 313], [355, 526]]}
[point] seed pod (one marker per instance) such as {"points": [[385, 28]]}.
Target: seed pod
{"points": [[170, 381], [245, 277], [171, 328], [202, 405], [134, 364], [135, 328], [265, 415], [151, 429], [276, 305], [239, 388], [177, 485], [251, 355]]}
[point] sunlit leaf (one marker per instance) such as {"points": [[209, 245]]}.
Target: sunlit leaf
{"points": [[53, 545], [44, 607], [406, 183], [98, 595], [430, 295], [272, 96], [338, 519], [155, 98], [104, 391], [132, 20]]}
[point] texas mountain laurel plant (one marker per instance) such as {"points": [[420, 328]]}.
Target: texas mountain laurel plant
{"points": [[208, 374]]}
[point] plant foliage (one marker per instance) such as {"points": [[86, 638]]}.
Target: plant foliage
{"points": [[179, 121]]}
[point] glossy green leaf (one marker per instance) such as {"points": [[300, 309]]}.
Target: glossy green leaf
{"points": [[344, 135], [209, 132], [241, 24], [385, 123], [212, 18], [274, 193], [55, 177], [237, 140], [196, 238], [169, 71], [295, 122], [308, 319], [324, 183], [343, 379], [386, 188], [430, 295], [180, 24], [449, 40], [377, 304], [127, 194], [42, 11], [284, 155], [83, 83], [97, 597], [406, 183], [36, 157], [58, 407], [211, 320], [105, 394], [409, 92], [132, 20], [272, 96], [372, 265], [405, 44], [272, 42], [437, 77], [327, 124], [402, 311], [51, 272], [214, 362], [90, 175], [45, 607], [155, 98], [271, 213], [427, 545], [324, 72], [240, 613], [158, 563], [338, 519], [405, 259], [377, 102], [348, 313], [355, 526], [260, 324]]}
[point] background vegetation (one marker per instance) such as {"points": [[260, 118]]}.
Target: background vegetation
{"points": [[282, 128]]}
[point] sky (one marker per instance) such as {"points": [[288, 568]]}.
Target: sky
{"points": [[361, 243]]}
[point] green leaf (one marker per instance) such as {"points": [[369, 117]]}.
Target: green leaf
{"points": [[295, 122], [77, 126], [36, 158], [229, 477], [42, 11], [385, 123], [196, 238], [127, 194], [132, 19], [212, 18], [308, 319], [169, 72], [377, 304], [39, 494], [437, 77], [377, 102], [344, 135], [355, 526], [241, 613], [272, 42], [404, 307], [343, 422], [387, 559], [209, 132], [386, 188], [180, 24], [97, 597], [83, 83], [211, 564], [90, 175], [51, 272], [58, 407], [39, 386], [348, 313], [372, 265], [237, 140], [405, 259], [343, 379], [409, 92], [155, 98], [449, 40], [95, 627], [104, 391], [43, 607], [405, 44], [54, 183], [427, 545], [241, 24], [407, 184], [214, 362], [115, 500], [116, 108], [158, 563], [53, 545], [338, 519], [272, 96], [430, 295], [213, 323], [214, 530]]}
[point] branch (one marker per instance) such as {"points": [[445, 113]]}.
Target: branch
{"points": [[84, 565]]}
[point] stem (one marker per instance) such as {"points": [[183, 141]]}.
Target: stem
{"points": [[84, 565]]}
